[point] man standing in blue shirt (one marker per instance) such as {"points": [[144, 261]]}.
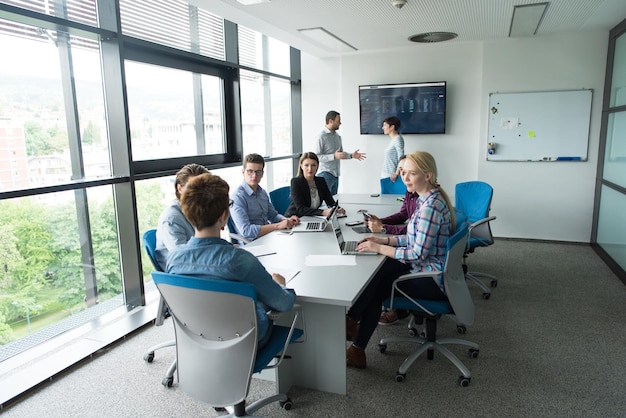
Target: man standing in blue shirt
{"points": [[329, 150], [252, 212]]}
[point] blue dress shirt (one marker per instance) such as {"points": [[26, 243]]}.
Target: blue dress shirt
{"points": [[251, 210], [218, 259], [173, 230]]}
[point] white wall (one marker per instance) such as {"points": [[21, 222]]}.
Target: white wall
{"points": [[551, 201]]}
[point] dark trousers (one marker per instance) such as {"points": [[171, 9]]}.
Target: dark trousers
{"points": [[367, 307]]}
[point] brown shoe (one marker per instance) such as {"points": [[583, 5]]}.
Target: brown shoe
{"points": [[355, 357], [352, 328], [388, 318]]}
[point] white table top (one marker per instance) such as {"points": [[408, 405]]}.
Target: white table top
{"points": [[369, 200], [329, 284]]}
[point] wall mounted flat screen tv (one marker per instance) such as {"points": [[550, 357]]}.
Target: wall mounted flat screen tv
{"points": [[421, 107]]}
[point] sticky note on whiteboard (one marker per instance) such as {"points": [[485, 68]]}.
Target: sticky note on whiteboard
{"points": [[531, 134]]}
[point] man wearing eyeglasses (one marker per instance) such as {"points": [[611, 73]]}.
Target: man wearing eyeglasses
{"points": [[252, 212]]}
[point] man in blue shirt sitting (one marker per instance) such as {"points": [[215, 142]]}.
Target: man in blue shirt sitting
{"points": [[252, 212], [205, 203]]}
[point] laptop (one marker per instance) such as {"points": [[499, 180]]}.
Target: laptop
{"points": [[315, 226], [347, 247]]}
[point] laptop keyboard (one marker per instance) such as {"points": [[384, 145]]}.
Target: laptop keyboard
{"points": [[313, 225], [349, 247]]}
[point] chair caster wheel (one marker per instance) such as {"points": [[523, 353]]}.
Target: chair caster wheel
{"points": [[413, 332], [167, 381], [486, 296], [400, 377], [473, 353], [464, 381], [461, 329], [382, 348], [494, 283], [286, 405], [148, 357]]}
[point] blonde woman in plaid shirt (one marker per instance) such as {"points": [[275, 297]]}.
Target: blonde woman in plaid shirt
{"points": [[423, 248]]}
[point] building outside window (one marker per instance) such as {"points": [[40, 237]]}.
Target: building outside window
{"points": [[91, 135]]}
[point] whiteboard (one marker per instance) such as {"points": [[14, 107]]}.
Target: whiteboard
{"points": [[539, 126]]}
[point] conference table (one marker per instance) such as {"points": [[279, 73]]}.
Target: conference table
{"points": [[327, 284]]}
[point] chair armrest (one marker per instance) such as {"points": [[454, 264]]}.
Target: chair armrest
{"points": [[481, 231], [239, 238], [480, 222], [275, 314], [411, 276]]}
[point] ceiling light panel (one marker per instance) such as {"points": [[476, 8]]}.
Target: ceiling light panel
{"points": [[526, 19]]}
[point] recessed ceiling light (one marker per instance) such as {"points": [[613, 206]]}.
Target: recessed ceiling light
{"points": [[526, 19], [327, 39], [251, 2], [431, 37]]}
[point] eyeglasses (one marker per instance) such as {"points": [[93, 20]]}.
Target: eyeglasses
{"points": [[257, 173], [230, 203]]}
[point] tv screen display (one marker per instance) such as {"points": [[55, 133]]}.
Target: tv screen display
{"points": [[421, 107]]}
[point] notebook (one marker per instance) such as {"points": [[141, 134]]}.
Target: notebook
{"points": [[347, 247], [315, 226]]}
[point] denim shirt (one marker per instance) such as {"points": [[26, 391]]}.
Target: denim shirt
{"points": [[173, 230], [218, 259], [251, 210]]}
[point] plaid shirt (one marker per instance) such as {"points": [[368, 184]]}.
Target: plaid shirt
{"points": [[428, 230]]}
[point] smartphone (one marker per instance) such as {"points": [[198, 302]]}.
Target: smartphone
{"points": [[354, 223], [375, 195]]}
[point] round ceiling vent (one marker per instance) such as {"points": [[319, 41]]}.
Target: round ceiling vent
{"points": [[431, 37]]}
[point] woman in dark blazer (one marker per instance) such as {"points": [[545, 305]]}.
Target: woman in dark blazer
{"points": [[307, 191]]}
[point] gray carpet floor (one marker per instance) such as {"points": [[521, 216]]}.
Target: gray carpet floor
{"points": [[552, 337]]}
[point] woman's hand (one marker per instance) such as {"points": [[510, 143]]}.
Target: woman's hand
{"points": [[370, 244], [341, 211], [374, 224], [279, 279]]}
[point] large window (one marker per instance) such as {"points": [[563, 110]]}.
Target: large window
{"points": [[162, 110], [93, 126]]}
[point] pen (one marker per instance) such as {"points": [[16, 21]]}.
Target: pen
{"points": [[261, 255], [294, 276]]}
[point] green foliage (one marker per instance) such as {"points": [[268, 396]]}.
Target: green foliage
{"points": [[149, 206], [41, 249], [91, 134], [6, 333], [44, 142]]}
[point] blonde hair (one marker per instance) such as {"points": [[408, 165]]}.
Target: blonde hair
{"points": [[425, 162]]}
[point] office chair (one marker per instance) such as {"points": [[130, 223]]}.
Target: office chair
{"points": [[474, 199], [280, 199], [149, 243], [235, 237], [216, 340], [459, 304], [392, 187]]}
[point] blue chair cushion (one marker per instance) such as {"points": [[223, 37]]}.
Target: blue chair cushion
{"points": [[441, 307], [274, 346]]}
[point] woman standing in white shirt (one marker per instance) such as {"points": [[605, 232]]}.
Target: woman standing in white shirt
{"points": [[394, 150]]}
